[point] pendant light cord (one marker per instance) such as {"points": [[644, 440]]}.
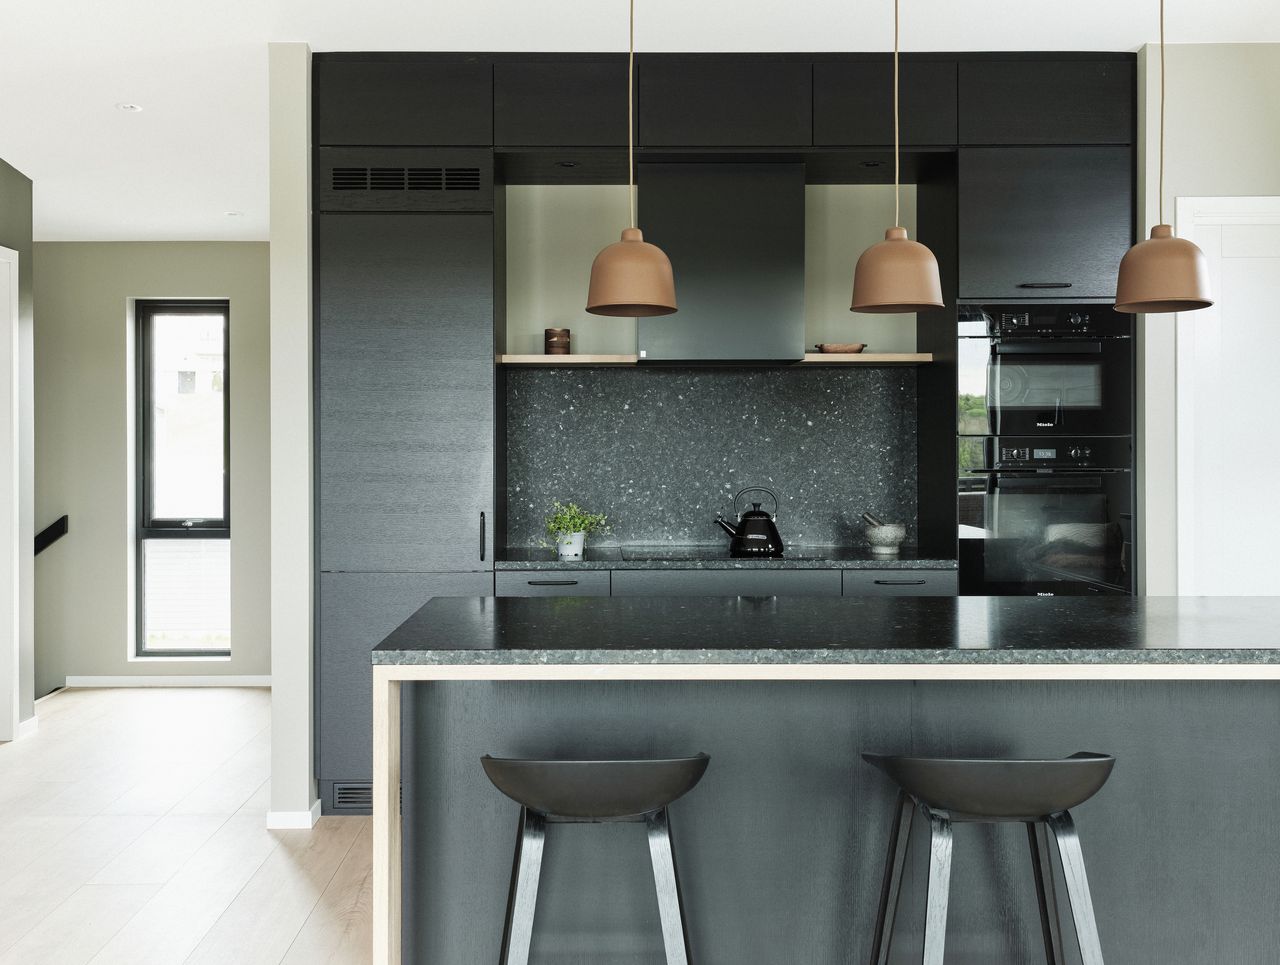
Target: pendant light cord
{"points": [[1161, 202], [631, 136], [897, 151]]}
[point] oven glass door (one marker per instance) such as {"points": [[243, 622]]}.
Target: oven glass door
{"points": [[1046, 386], [1047, 532]]}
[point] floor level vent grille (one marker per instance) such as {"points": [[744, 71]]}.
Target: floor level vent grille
{"points": [[352, 795]]}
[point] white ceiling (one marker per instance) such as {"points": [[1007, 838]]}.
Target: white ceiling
{"points": [[198, 149]]}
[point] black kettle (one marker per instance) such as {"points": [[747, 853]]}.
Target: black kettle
{"points": [[755, 535]]}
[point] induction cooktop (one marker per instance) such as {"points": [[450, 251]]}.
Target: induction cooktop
{"points": [[640, 554]]}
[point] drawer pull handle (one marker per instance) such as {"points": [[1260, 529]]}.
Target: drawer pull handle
{"points": [[1045, 284], [901, 582], [553, 582]]}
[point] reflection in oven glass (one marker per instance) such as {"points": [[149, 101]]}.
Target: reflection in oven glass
{"points": [[1045, 386]]}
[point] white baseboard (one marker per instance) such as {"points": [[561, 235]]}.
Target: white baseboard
{"points": [[171, 680], [294, 820], [27, 727]]}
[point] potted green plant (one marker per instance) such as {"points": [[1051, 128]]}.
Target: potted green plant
{"points": [[570, 525]]}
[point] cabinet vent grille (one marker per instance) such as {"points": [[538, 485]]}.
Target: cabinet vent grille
{"points": [[348, 796], [404, 179]]}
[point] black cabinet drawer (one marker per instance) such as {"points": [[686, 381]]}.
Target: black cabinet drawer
{"points": [[552, 583], [560, 104], [1044, 223], [726, 583], [901, 583], [725, 102], [1047, 102], [403, 103], [853, 103]]}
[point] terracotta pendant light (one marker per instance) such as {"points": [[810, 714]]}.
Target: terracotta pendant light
{"points": [[631, 278], [1163, 273], [897, 274]]}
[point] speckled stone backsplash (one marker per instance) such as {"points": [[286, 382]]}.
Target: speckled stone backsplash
{"points": [[660, 450]]}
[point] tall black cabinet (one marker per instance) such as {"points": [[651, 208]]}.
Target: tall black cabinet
{"points": [[405, 446]]}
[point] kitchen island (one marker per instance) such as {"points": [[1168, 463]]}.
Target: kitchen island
{"points": [[609, 642]]}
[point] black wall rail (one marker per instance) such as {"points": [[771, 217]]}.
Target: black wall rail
{"points": [[51, 534]]}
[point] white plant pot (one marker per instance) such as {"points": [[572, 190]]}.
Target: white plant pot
{"points": [[569, 545]]}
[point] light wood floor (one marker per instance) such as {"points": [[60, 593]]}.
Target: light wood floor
{"points": [[133, 832]]}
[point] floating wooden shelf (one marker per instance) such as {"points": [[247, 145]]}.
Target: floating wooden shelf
{"points": [[868, 358], [861, 358], [568, 359]]}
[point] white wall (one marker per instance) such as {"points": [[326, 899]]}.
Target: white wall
{"points": [[293, 786], [84, 452], [1223, 138], [554, 232]]}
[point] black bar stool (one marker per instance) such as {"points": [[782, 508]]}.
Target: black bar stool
{"points": [[590, 792], [1039, 794]]}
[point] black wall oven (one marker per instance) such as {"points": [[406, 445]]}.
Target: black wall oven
{"points": [[1038, 372], [1046, 482]]}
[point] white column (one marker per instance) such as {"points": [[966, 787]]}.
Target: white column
{"points": [[293, 787]]}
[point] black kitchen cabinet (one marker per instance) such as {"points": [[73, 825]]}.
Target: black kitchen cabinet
{"points": [[568, 104], [724, 101], [853, 103], [1043, 223], [726, 583], [356, 611], [405, 388], [551, 583], [1047, 102], [901, 583], [403, 102]]}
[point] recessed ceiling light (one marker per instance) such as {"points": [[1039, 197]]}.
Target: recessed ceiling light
{"points": [[234, 214], [130, 108]]}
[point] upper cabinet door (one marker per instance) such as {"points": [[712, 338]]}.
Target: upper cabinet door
{"points": [[853, 103], [1047, 102], [725, 102], [402, 103], [560, 104], [1044, 223], [404, 389]]}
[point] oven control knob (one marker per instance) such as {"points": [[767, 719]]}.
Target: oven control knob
{"points": [[1081, 452]]}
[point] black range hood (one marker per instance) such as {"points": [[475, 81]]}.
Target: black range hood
{"points": [[735, 235]]}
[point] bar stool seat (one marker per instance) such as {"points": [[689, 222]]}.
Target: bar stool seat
{"points": [[595, 790], [982, 789], [583, 792], [1037, 793]]}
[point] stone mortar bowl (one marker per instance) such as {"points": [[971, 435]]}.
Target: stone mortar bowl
{"points": [[885, 540]]}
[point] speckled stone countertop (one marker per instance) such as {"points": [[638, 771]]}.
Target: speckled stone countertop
{"points": [[819, 630], [671, 557]]}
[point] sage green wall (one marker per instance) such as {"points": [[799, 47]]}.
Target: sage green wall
{"points": [[84, 448], [15, 233], [554, 231], [1222, 140]]}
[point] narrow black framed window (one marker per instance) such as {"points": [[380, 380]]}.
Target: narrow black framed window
{"points": [[183, 478]]}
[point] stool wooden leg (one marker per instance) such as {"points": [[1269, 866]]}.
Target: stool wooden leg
{"points": [[1064, 831], [895, 861], [675, 937], [1042, 865], [523, 899], [935, 922]]}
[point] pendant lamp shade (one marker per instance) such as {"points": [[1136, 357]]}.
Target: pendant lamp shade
{"points": [[896, 275], [631, 279], [1163, 274]]}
